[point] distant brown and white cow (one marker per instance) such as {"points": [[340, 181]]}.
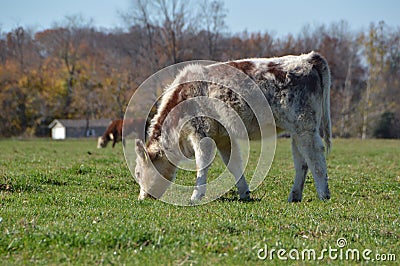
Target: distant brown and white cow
{"points": [[297, 90], [114, 131]]}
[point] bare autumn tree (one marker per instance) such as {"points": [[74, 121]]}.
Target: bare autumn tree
{"points": [[120, 83], [393, 74], [16, 40], [3, 48], [164, 27], [381, 97], [165, 23], [341, 47], [174, 22], [88, 79], [257, 45], [15, 96], [375, 48], [65, 42], [141, 15], [212, 17]]}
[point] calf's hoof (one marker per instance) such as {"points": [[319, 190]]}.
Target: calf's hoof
{"points": [[324, 194], [325, 197], [196, 196], [245, 196], [294, 197]]}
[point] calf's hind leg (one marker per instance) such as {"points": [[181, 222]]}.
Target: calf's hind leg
{"points": [[234, 165], [301, 168], [311, 148]]}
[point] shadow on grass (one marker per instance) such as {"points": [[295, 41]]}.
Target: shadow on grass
{"points": [[235, 199]]}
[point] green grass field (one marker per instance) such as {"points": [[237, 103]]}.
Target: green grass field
{"points": [[65, 202]]}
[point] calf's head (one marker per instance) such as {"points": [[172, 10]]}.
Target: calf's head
{"points": [[153, 171], [103, 141]]}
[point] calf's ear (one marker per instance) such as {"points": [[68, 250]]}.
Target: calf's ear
{"points": [[141, 150]]}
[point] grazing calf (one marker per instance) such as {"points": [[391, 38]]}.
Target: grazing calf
{"points": [[297, 89], [114, 131]]}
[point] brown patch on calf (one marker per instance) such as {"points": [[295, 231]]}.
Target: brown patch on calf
{"points": [[319, 64], [317, 60], [276, 70], [177, 97], [246, 67]]}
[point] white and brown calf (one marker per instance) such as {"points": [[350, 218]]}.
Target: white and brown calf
{"points": [[114, 131], [297, 89]]}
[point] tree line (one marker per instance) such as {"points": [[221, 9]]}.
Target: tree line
{"points": [[74, 70]]}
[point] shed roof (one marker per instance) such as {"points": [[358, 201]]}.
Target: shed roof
{"points": [[79, 123]]}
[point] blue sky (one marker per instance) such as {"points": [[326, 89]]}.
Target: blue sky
{"points": [[280, 17]]}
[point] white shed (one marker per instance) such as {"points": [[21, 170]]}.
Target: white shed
{"points": [[78, 128], [58, 131]]}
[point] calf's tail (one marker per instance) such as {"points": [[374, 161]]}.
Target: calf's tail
{"points": [[322, 67]]}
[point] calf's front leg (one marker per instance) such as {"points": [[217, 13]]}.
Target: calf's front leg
{"points": [[203, 150]]}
